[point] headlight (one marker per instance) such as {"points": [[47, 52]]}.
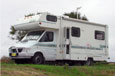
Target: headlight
{"points": [[12, 49]]}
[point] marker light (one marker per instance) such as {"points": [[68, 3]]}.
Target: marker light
{"points": [[40, 23]]}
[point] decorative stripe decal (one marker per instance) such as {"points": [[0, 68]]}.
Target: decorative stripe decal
{"points": [[49, 22], [83, 47], [103, 46], [48, 45], [79, 47], [91, 48]]}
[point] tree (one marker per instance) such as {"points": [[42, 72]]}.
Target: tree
{"points": [[16, 35], [75, 14], [84, 18], [13, 31], [31, 14]]}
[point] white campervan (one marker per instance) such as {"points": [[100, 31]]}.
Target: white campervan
{"points": [[56, 38]]}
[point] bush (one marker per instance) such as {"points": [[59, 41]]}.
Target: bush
{"points": [[66, 66], [5, 59]]}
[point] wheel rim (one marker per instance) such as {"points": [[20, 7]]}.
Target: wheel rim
{"points": [[88, 62], [38, 60]]}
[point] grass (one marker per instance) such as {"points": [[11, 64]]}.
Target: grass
{"points": [[60, 70], [52, 70]]}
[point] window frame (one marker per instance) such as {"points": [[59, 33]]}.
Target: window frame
{"points": [[78, 30], [101, 33], [51, 20]]}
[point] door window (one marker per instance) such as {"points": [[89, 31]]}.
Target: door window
{"points": [[67, 33], [47, 37]]}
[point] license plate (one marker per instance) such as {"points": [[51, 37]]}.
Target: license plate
{"points": [[13, 54]]}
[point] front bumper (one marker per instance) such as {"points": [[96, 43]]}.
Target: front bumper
{"points": [[19, 56], [19, 53]]}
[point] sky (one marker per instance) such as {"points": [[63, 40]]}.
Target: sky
{"points": [[98, 11]]}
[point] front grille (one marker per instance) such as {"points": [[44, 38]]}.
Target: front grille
{"points": [[14, 50], [20, 49]]}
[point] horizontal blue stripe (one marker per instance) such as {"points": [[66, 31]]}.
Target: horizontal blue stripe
{"points": [[49, 22], [48, 45], [73, 46]]}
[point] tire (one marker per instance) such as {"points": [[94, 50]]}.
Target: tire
{"points": [[89, 62], [38, 59]]}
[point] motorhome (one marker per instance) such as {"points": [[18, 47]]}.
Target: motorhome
{"points": [[59, 38]]}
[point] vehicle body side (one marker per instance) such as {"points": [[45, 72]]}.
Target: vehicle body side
{"points": [[80, 48]]}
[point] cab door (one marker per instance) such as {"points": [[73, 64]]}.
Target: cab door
{"points": [[48, 46]]}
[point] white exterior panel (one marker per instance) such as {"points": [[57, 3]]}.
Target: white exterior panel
{"points": [[63, 48]]}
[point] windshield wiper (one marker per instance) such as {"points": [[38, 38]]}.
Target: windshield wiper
{"points": [[24, 41], [31, 39]]}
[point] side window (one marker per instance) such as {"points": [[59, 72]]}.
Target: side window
{"points": [[47, 37], [51, 18], [99, 35], [75, 32]]}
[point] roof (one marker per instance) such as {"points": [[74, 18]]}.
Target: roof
{"points": [[83, 21]]}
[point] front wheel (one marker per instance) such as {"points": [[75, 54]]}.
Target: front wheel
{"points": [[38, 59]]}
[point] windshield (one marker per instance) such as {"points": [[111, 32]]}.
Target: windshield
{"points": [[34, 35]]}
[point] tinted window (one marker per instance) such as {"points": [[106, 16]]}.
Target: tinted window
{"points": [[48, 37], [67, 49], [51, 18], [99, 35], [75, 32], [33, 35], [67, 33]]}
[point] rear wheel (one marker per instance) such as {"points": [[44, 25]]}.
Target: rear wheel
{"points": [[38, 59], [89, 62]]}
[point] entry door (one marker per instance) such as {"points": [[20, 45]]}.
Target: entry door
{"points": [[67, 43]]}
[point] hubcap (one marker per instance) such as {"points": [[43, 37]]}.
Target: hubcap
{"points": [[38, 60]]}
